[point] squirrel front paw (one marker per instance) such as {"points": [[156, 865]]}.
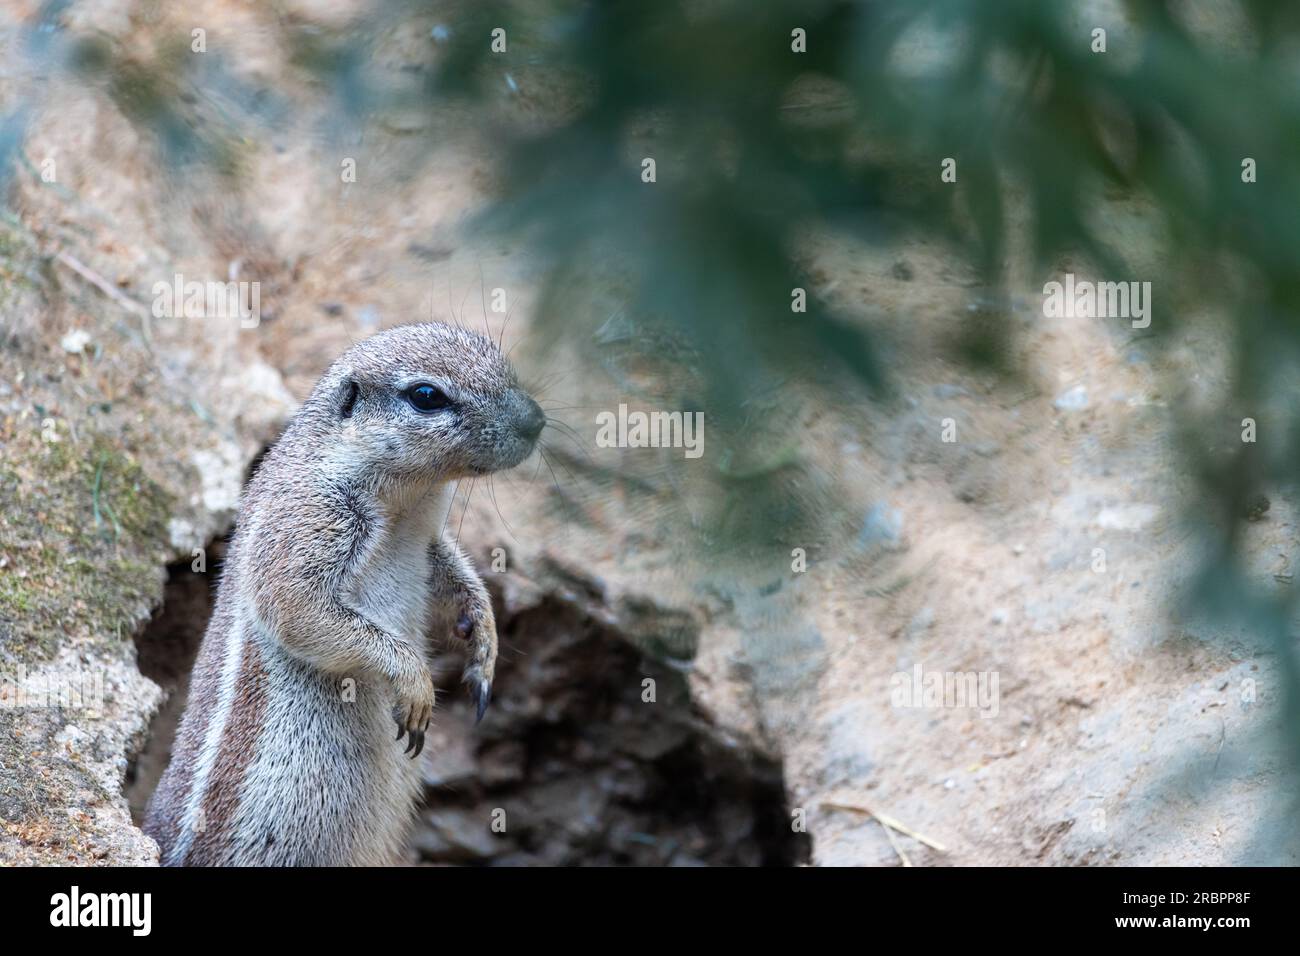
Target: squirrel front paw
{"points": [[478, 627], [413, 711]]}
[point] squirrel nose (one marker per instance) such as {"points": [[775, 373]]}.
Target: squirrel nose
{"points": [[532, 421]]}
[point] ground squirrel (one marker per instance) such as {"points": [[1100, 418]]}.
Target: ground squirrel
{"points": [[340, 571]]}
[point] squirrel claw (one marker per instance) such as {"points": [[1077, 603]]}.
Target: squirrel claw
{"points": [[482, 694], [416, 745], [477, 626], [413, 713], [415, 740]]}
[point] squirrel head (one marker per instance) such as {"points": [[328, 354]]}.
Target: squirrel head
{"points": [[427, 401]]}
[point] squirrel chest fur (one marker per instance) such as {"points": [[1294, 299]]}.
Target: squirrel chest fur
{"points": [[312, 693]]}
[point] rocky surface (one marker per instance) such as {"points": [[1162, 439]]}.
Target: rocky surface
{"points": [[115, 462]]}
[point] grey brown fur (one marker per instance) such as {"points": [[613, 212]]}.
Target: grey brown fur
{"points": [[340, 571]]}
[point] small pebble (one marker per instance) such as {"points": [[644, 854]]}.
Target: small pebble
{"points": [[75, 341], [1072, 400]]}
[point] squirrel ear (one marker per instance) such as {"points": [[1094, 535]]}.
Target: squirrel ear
{"points": [[348, 393]]}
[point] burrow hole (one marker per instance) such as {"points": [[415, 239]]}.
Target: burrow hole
{"points": [[585, 770]]}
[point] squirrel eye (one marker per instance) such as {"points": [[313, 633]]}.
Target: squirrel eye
{"points": [[427, 398]]}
